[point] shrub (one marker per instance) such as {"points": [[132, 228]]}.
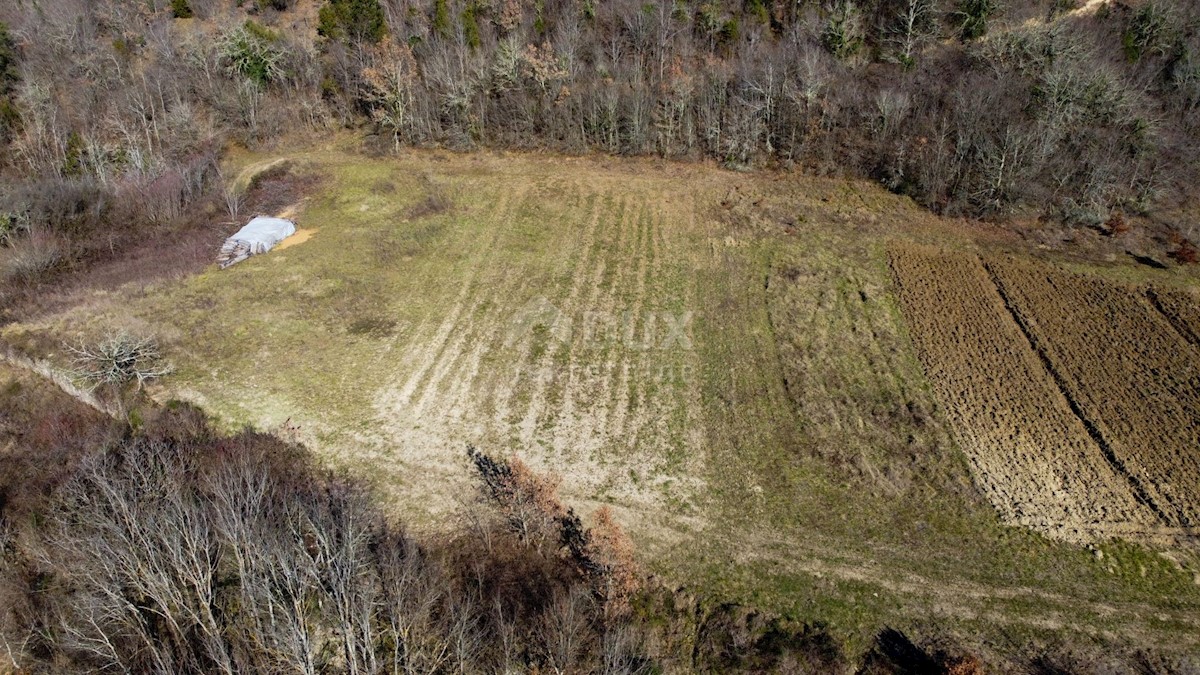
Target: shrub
{"points": [[529, 502], [1185, 253], [441, 18], [470, 22], [973, 16], [352, 20], [1148, 31], [31, 257], [74, 156], [843, 32], [253, 52], [438, 199], [9, 76], [73, 208], [180, 9]]}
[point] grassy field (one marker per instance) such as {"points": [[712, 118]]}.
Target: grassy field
{"points": [[720, 357]]}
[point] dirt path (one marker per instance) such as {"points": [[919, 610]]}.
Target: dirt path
{"points": [[1003, 605], [1089, 7]]}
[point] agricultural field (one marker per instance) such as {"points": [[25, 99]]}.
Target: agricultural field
{"points": [[1132, 378], [1181, 308], [785, 393], [1032, 454]]}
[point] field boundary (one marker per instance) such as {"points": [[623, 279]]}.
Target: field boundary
{"points": [[59, 379]]}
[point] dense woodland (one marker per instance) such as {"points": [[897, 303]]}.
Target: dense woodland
{"points": [[113, 112]]}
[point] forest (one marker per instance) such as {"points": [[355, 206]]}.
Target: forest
{"points": [[112, 113]]}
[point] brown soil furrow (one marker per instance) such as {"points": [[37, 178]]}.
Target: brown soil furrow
{"points": [[1029, 452], [1180, 309], [1132, 376], [1140, 491]]}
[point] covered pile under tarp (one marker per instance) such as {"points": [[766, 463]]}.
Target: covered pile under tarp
{"points": [[258, 236]]}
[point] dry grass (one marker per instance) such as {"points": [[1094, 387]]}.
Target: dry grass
{"points": [[717, 357]]}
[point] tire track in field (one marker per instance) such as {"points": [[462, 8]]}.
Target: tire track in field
{"points": [[506, 385], [604, 302], [538, 375], [488, 318], [1133, 376], [487, 395], [966, 599], [572, 432], [632, 344], [541, 375], [490, 330], [486, 334], [645, 393], [429, 351], [1177, 311]]}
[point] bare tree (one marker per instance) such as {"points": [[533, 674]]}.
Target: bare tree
{"points": [[118, 360]]}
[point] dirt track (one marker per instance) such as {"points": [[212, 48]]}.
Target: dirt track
{"points": [[1031, 454]]}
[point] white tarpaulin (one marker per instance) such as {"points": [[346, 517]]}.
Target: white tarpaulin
{"points": [[258, 236]]}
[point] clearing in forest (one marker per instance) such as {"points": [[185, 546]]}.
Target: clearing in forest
{"points": [[722, 358]]}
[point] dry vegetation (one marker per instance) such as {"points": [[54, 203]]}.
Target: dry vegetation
{"points": [[171, 549], [787, 396], [786, 435]]}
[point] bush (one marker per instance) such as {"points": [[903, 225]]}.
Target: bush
{"points": [[119, 360], [1148, 32], [30, 258], [180, 9], [843, 32], [352, 20], [253, 52], [437, 199], [973, 16], [9, 75], [72, 208]]}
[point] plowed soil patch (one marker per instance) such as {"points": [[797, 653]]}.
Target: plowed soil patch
{"points": [[1134, 378], [1181, 308], [1030, 453]]}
